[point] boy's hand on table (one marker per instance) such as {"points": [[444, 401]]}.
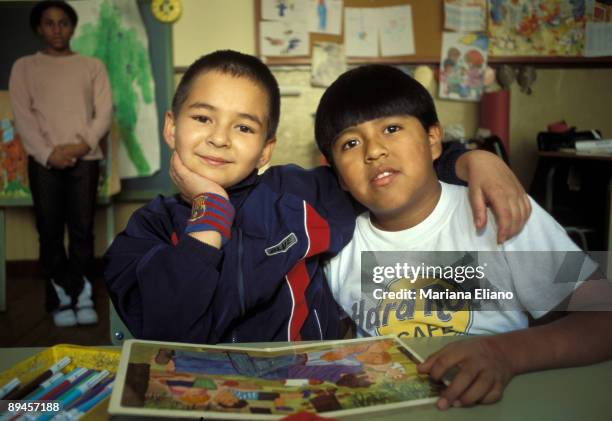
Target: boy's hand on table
{"points": [[189, 183], [491, 182], [484, 370]]}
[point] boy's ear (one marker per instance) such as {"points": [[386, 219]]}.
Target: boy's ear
{"points": [[434, 136], [266, 153], [169, 129]]}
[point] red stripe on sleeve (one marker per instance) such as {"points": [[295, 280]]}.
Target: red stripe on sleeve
{"points": [[318, 231], [298, 281]]}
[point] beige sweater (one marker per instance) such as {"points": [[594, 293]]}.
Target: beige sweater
{"points": [[60, 100]]}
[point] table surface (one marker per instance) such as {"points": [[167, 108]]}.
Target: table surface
{"points": [[582, 393], [576, 155]]}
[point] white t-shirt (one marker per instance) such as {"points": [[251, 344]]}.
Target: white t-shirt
{"points": [[525, 267]]}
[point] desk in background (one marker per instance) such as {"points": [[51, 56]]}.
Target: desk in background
{"points": [[543, 185], [581, 393]]}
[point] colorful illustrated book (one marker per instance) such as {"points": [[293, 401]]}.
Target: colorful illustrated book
{"points": [[333, 379]]}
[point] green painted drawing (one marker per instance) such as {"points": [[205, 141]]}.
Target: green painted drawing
{"points": [[113, 32]]}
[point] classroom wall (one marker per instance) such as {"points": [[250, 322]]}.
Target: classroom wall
{"points": [[580, 96]]}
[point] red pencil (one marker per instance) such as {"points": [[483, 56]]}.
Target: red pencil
{"points": [[76, 376]]}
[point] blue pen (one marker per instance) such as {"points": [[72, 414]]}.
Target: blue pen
{"points": [[94, 391], [80, 410], [76, 392], [88, 375]]}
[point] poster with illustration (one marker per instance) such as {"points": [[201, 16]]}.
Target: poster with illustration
{"points": [[361, 32], [284, 10], [462, 65], [537, 27], [113, 31], [325, 16], [283, 39], [13, 163], [335, 379]]}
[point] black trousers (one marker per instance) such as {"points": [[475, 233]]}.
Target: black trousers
{"points": [[64, 198]]}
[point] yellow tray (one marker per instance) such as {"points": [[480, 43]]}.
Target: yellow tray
{"points": [[80, 356]]}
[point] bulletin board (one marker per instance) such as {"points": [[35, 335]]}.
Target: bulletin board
{"points": [[428, 22]]}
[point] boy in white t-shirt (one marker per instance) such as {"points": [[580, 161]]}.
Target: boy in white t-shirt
{"points": [[379, 129]]}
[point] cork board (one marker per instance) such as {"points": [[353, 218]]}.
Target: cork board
{"points": [[427, 22]]}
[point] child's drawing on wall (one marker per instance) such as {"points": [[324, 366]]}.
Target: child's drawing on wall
{"points": [[464, 59]]}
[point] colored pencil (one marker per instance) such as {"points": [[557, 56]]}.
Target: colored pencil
{"points": [[40, 390], [36, 395], [94, 391], [78, 411], [75, 393], [63, 386], [9, 387], [28, 388]]}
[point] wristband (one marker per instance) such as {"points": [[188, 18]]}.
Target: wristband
{"points": [[211, 212]]}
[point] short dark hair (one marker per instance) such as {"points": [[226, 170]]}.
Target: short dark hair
{"points": [[40, 7], [366, 93], [238, 65]]}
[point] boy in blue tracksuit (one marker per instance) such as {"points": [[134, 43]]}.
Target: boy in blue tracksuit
{"points": [[237, 256]]}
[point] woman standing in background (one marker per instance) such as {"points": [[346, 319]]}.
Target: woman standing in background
{"points": [[63, 108]]}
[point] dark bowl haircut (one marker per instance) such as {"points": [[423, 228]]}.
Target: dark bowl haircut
{"points": [[238, 65], [40, 7], [367, 93]]}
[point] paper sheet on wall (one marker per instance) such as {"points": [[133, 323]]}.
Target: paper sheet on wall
{"points": [[396, 31], [465, 15], [132, 83], [598, 39], [361, 32], [283, 38], [284, 10], [325, 16], [328, 62], [462, 65]]}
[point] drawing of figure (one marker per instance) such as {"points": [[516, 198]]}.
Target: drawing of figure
{"points": [[220, 363], [292, 44], [450, 74], [322, 14], [498, 11], [281, 6], [475, 62]]}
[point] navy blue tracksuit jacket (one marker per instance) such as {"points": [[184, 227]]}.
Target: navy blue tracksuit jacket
{"points": [[266, 283]]}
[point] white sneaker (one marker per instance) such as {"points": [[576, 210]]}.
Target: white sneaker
{"points": [[63, 316], [85, 312]]}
